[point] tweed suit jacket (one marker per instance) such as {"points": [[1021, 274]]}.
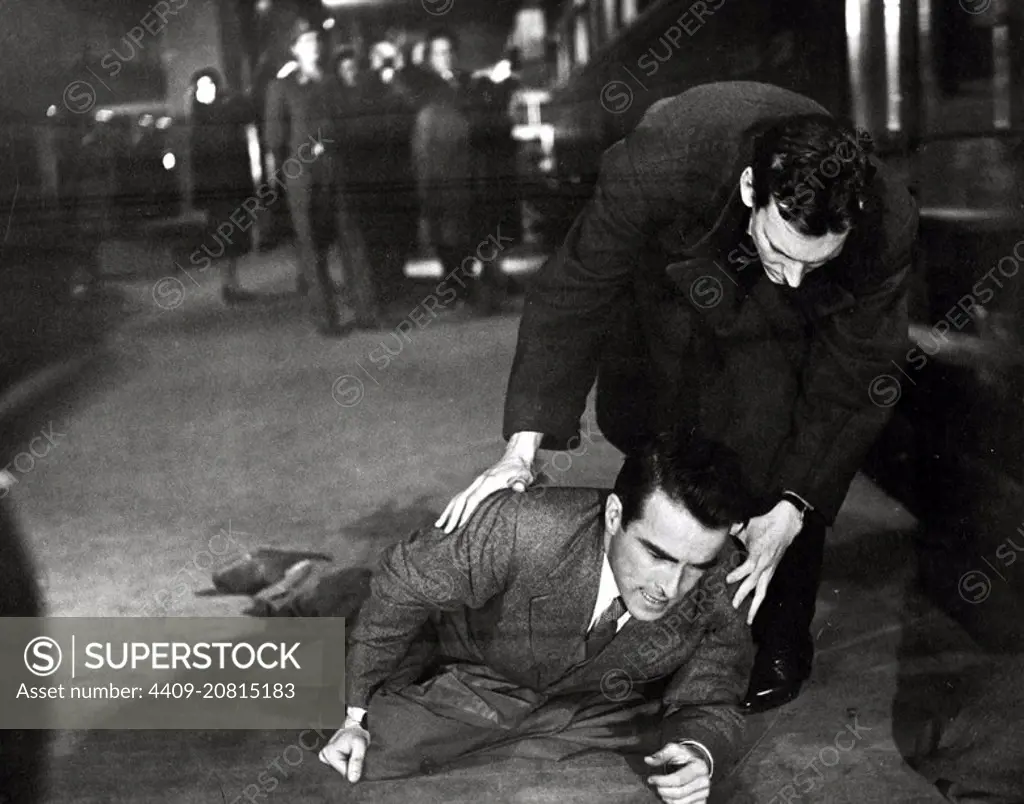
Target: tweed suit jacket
{"points": [[659, 295], [513, 591]]}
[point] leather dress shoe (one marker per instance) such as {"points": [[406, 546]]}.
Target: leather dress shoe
{"points": [[775, 680]]}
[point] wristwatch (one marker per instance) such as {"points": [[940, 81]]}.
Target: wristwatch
{"points": [[798, 502]]}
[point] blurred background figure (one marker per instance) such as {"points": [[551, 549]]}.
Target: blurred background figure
{"points": [[444, 167], [386, 61], [346, 68], [379, 167], [495, 162], [221, 176], [305, 132], [418, 53]]}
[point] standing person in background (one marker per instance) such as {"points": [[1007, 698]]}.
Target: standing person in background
{"points": [[221, 174], [444, 171], [380, 169], [305, 119], [495, 169], [346, 68]]}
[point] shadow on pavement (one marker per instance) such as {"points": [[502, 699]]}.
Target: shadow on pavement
{"points": [[957, 715], [39, 403]]}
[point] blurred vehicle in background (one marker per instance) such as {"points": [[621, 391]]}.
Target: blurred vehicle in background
{"points": [[141, 149], [46, 252], [939, 86]]}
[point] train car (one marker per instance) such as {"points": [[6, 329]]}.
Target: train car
{"points": [[614, 58], [46, 251]]}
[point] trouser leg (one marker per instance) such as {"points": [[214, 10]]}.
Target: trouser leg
{"points": [[302, 200], [783, 623], [360, 288], [381, 251], [451, 263]]}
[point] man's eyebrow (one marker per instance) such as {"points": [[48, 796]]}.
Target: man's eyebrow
{"points": [[665, 556], [658, 551]]}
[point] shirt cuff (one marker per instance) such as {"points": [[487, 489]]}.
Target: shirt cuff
{"points": [[707, 754], [356, 714]]}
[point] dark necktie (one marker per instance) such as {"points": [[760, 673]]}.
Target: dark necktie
{"points": [[604, 629]]}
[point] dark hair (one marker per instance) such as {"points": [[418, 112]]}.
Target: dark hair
{"points": [[701, 474], [440, 33], [817, 171]]}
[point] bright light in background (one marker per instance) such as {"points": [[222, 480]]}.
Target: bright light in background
{"points": [[854, 46], [146, 120], [892, 65], [103, 115], [502, 71], [853, 22], [206, 90], [51, 111], [252, 139], [328, 23], [163, 122], [1001, 77], [169, 161]]}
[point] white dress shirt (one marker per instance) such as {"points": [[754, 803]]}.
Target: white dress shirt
{"points": [[607, 591]]}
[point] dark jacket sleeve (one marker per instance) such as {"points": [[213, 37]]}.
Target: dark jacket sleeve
{"points": [[702, 701], [427, 573], [276, 117], [849, 384], [575, 294]]}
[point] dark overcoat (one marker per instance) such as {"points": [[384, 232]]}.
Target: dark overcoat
{"points": [[658, 291], [441, 161]]}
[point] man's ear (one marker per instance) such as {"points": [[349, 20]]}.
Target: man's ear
{"points": [[747, 186], [612, 513], [737, 528]]}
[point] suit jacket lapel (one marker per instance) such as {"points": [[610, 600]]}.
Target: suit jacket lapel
{"points": [[640, 646], [559, 616]]}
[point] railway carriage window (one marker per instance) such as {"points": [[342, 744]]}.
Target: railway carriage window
{"points": [[564, 58], [966, 81], [611, 20], [582, 38], [597, 33], [629, 11]]}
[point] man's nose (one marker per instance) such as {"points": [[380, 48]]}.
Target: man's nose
{"points": [[672, 582], [794, 274]]}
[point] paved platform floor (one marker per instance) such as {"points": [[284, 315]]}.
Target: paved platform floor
{"points": [[195, 420]]}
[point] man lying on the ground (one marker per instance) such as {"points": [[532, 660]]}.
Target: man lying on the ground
{"points": [[559, 621]]}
